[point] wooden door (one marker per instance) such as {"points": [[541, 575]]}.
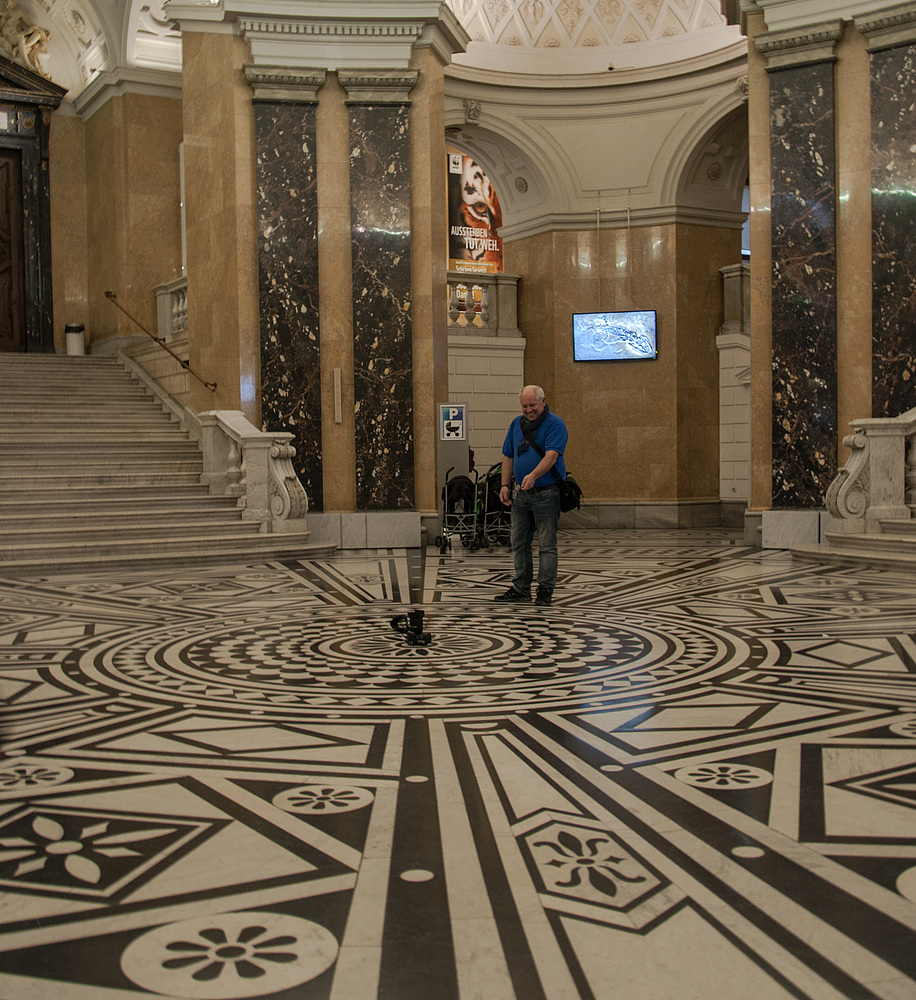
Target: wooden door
{"points": [[12, 299]]}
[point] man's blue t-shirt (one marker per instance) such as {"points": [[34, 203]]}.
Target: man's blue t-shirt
{"points": [[551, 435]]}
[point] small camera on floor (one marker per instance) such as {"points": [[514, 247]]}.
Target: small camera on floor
{"points": [[411, 625]]}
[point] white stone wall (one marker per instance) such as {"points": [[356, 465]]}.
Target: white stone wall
{"points": [[487, 373], [734, 416]]}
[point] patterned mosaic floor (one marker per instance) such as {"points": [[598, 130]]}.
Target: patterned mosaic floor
{"points": [[693, 777]]}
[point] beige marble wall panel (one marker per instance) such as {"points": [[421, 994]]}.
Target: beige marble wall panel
{"points": [[758, 120], [645, 431], [153, 134], [336, 296], [221, 222], [854, 235], [69, 263], [133, 214], [106, 214], [429, 254], [701, 252]]}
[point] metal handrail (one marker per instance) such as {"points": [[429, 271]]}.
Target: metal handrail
{"points": [[159, 340]]}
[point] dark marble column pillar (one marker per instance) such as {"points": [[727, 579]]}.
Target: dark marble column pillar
{"points": [[893, 131], [288, 289], [802, 133], [382, 323]]}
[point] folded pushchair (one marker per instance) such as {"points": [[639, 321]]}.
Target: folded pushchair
{"points": [[495, 529], [459, 511]]}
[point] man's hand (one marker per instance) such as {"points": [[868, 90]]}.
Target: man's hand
{"points": [[529, 481]]}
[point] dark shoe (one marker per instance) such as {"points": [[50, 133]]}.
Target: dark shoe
{"points": [[543, 598], [511, 595]]}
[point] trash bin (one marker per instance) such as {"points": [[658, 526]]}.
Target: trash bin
{"points": [[76, 338]]}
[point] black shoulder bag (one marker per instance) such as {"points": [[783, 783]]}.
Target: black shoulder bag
{"points": [[570, 493]]}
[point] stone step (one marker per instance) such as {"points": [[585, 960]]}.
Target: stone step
{"points": [[142, 544], [41, 377], [26, 537], [114, 435], [115, 496], [100, 454], [92, 423], [891, 551], [69, 516], [880, 542], [159, 554], [100, 469], [89, 360], [142, 476], [28, 410], [102, 393], [899, 526]]}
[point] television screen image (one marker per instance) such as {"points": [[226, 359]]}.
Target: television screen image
{"points": [[615, 336]]}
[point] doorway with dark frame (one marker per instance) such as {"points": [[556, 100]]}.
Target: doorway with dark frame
{"points": [[12, 291]]}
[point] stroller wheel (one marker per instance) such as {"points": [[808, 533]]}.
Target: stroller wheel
{"points": [[437, 541]]}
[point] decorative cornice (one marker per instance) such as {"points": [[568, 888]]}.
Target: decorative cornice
{"points": [[585, 221], [285, 83], [330, 29], [378, 86], [887, 28], [800, 46], [445, 37], [126, 80], [346, 43]]}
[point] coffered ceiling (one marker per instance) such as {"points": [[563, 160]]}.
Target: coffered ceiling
{"points": [[92, 36]]}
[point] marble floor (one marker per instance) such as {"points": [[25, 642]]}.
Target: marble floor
{"points": [[691, 778]]}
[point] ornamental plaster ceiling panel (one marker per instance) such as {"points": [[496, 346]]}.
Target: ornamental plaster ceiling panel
{"points": [[615, 155], [71, 45], [152, 42], [583, 22]]}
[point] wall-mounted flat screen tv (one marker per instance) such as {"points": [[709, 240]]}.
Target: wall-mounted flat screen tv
{"points": [[615, 336]]}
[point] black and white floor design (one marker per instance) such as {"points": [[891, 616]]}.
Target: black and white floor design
{"points": [[693, 777]]}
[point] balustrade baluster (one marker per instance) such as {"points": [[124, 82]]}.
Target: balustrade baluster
{"points": [[910, 476]]}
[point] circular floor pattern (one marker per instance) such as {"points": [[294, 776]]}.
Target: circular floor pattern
{"points": [[229, 956], [351, 660]]}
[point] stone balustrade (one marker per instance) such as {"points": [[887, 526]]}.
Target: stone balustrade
{"points": [[255, 466], [878, 481], [483, 304], [172, 308], [240, 461]]}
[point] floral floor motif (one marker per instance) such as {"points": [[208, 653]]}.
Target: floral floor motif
{"points": [[692, 777]]}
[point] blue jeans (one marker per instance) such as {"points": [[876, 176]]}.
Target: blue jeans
{"points": [[534, 510]]}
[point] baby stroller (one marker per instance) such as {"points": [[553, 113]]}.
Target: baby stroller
{"points": [[496, 517], [459, 512]]}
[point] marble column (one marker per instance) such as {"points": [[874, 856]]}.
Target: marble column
{"points": [[893, 171], [288, 285], [804, 294], [761, 402], [853, 242], [336, 303], [429, 242], [220, 195], [381, 255]]}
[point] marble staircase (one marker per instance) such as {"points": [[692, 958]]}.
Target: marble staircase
{"points": [[96, 474], [872, 499], [893, 547]]}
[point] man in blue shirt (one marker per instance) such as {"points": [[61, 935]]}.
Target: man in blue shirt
{"points": [[536, 505]]}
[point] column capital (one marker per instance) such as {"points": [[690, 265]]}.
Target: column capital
{"points": [[892, 26], [284, 83], [800, 46], [378, 86]]}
